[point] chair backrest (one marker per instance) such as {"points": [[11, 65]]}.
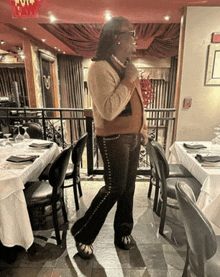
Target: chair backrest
{"points": [[78, 149], [58, 168], [161, 155], [201, 238], [158, 159], [34, 130]]}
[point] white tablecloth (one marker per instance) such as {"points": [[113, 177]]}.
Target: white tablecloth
{"points": [[15, 227], [209, 198]]}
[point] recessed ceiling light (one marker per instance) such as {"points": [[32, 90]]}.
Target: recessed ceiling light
{"points": [[58, 49], [2, 41], [55, 47], [64, 52], [25, 29], [43, 39], [166, 17], [108, 15], [52, 18]]}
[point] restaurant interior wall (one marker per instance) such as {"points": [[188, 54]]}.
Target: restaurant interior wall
{"points": [[197, 123]]}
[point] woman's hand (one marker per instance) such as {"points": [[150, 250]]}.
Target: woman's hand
{"points": [[144, 138], [131, 73]]}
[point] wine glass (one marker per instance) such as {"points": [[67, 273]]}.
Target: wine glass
{"points": [[215, 148], [25, 135], [7, 142], [19, 138]]}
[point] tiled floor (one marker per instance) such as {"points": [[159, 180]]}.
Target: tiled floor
{"points": [[153, 255]]}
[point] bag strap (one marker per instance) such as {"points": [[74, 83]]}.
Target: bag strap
{"points": [[128, 109], [120, 74]]}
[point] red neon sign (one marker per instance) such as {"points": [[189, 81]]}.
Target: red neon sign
{"points": [[25, 8]]}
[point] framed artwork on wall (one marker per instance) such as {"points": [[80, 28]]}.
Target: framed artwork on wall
{"points": [[212, 76]]}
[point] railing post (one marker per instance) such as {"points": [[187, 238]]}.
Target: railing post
{"points": [[61, 124], [89, 118], [43, 123]]}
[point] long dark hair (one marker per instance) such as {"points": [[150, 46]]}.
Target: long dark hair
{"points": [[107, 38]]}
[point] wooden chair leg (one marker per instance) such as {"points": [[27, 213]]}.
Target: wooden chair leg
{"points": [[64, 211], [159, 206], [163, 216], [79, 188], [156, 195], [185, 270], [55, 223], [150, 188], [76, 197]]}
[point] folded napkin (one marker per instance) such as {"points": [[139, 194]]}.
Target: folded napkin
{"points": [[207, 159], [194, 146], [41, 145], [22, 158]]}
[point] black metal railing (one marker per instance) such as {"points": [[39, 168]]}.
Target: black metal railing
{"points": [[160, 121], [66, 125], [63, 126]]}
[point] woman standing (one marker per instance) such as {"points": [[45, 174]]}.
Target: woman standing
{"points": [[119, 126]]}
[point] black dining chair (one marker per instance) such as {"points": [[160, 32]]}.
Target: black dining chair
{"points": [[172, 171], [73, 170], [203, 247], [34, 130], [167, 184], [49, 193]]}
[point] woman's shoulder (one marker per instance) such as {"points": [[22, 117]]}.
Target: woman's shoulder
{"points": [[101, 68], [100, 64]]}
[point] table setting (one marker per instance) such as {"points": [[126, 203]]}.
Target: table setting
{"points": [[206, 154], [21, 161], [202, 159]]}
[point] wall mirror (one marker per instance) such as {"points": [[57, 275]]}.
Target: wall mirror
{"points": [[213, 65]]}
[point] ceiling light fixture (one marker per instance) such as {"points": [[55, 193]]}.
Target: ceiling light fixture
{"points": [[43, 39], [25, 29], [166, 17], [52, 18], [2, 41], [64, 52], [55, 47], [108, 15]]}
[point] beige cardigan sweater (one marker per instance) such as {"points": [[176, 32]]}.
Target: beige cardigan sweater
{"points": [[110, 95]]}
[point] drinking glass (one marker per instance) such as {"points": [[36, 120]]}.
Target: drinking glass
{"points": [[7, 142], [25, 135], [19, 138]]}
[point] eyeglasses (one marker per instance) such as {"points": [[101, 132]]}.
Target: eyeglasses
{"points": [[132, 33]]}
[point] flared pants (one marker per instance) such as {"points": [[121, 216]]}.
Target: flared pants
{"points": [[120, 154]]}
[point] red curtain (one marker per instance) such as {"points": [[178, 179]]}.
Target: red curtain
{"points": [[153, 39], [158, 40]]}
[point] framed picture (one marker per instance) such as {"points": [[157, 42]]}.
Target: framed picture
{"points": [[213, 65]]}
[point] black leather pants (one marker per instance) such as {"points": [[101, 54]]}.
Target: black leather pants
{"points": [[120, 154]]}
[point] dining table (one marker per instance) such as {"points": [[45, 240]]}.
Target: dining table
{"points": [[20, 163], [202, 159]]}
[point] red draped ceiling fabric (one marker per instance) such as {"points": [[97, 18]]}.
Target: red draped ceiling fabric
{"points": [[153, 39]]}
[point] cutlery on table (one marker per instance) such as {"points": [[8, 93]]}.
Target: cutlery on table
{"points": [[210, 165]]}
